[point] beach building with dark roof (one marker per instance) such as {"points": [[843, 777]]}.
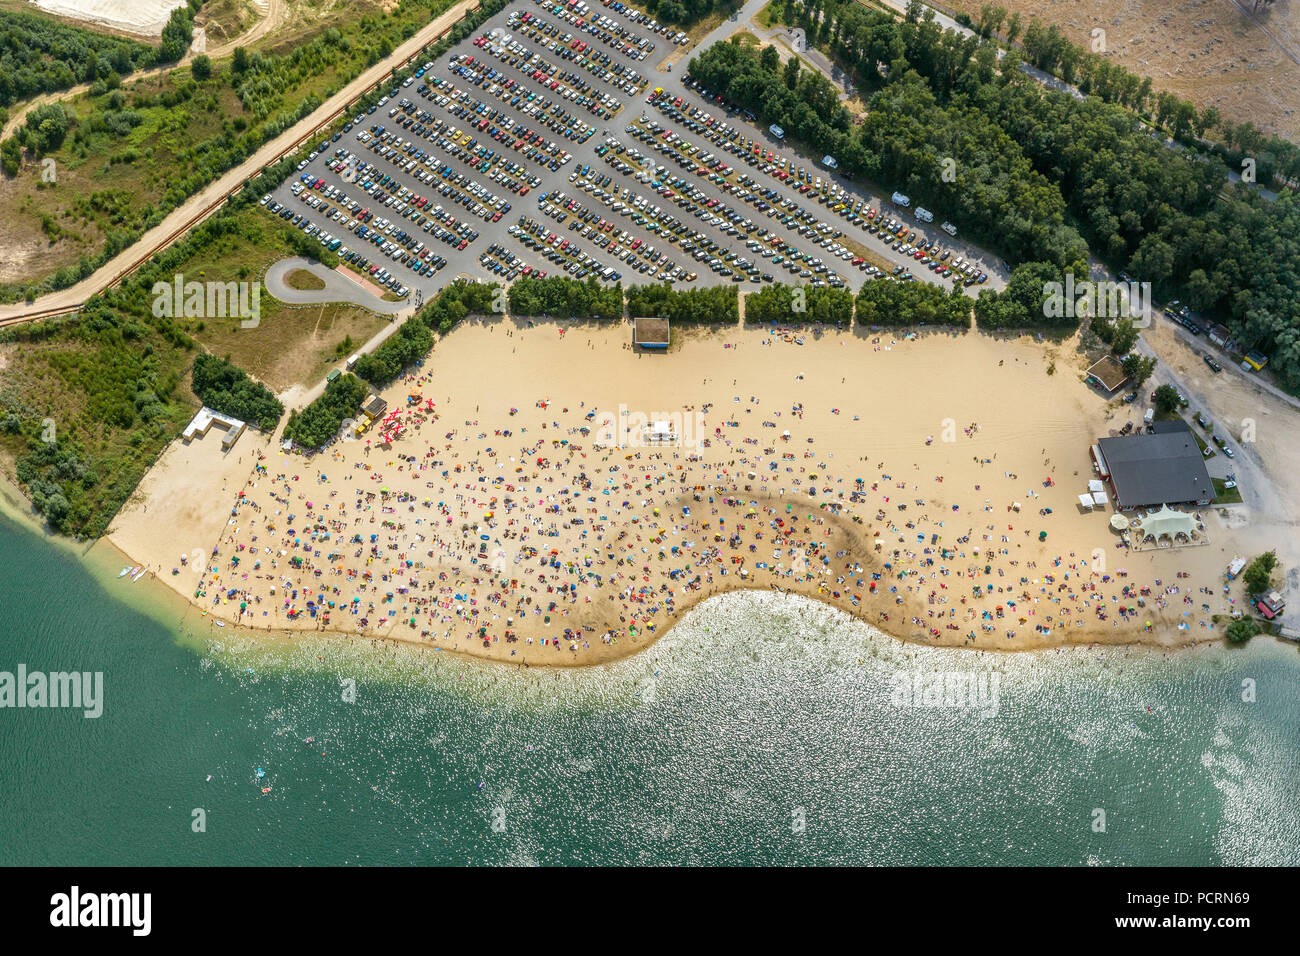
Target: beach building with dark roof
{"points": [[1108, 373], [1163, 467]]}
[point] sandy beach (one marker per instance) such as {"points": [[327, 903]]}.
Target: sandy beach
{"points": [[926, 485]]}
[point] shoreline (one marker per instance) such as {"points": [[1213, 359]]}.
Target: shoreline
{"points": [[199, 472], [160, 592]]}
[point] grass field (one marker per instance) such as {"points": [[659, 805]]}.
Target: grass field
{"points": [[302, 279], [1225, 496], [291, 345]]}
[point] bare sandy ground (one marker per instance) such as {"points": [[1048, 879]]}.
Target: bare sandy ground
{"points": [[1211, 52], [495, 526], [143, 17]]}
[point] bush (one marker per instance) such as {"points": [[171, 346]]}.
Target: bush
{"points": [[320, 421], [40, 55], [1242, 629]]}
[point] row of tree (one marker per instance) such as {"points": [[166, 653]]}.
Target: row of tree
{"points": [[458, 300], [323, 419], [225, 387], [405, 347], [911, 303], [791, 304], [691, 306], [687, 11], [562, 297]]}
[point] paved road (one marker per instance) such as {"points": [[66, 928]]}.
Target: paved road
{"points": [[338, 288]]}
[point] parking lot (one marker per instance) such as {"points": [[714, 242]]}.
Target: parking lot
{"points": [[548, 143]]}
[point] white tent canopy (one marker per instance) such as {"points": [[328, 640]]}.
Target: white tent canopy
{"points": [[1166, 521], [1096, 485], [1085, 502]]}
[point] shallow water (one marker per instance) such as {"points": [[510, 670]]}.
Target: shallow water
{"points": [[760, 730]]}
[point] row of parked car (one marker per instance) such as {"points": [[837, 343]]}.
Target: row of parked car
{"points": [[731, 222], [563, 252], [901, 238], [411, 159], [766, 200], [554, 39], [672, 34], [637, 253], [500, 261], [807, 181]]}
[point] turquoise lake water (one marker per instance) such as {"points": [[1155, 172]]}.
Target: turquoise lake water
{"points": [[760, 730]]}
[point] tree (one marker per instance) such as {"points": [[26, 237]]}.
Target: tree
{"points": [[240, 61], [792, 72], [1013, 28], [1123, 337], [1258, 575], [770, 59], [1138, 368], [201, 67], [1242, 629], [1166, 399]]}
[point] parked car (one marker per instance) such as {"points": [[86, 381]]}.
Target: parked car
{"points": [[1214, 366]]}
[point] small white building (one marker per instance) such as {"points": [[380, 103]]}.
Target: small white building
{"points": [[204, 421]]}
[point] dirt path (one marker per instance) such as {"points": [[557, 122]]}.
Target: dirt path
{"points": [[161, 234]]}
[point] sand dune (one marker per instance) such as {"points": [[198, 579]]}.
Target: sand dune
{"points": [[145, 17]]}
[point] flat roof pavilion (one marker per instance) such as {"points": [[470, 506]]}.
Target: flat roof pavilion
{"points": [[650, 333]]}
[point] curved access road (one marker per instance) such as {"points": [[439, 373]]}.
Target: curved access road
{"points": [[338, 287]]}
